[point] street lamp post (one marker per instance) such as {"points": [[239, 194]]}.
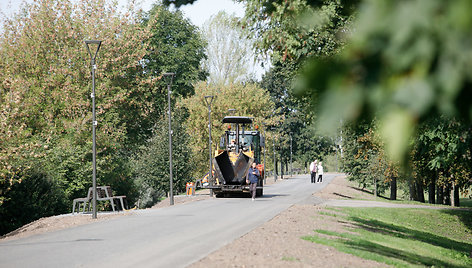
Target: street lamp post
{"points": [[263, 156], [94, 124], [275, 161], [208, 101], [171, 190], [291, 167]]}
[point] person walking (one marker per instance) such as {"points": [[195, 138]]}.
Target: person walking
{"points": [[320, 172], [252, 179], [313, 168]]}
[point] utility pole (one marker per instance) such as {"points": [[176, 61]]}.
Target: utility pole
{"points": [[171, 190], [94, 124], [275, 160], [208, 101], [263, 156], [291, 167]]}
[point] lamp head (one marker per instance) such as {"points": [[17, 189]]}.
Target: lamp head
{"points": [[209, 99], [98, 43]]}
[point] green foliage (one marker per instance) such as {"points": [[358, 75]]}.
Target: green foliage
{"points": [[306, 144], [277, 83], [401, 237], [33, 197], [283, 34], [175, 45], [248, 100], [442, 152], [356, 166], [466, 202], [364, 158], [281, 31], [45, 88], [406, 61], [45, 108], [178, 3], [151, 164]]}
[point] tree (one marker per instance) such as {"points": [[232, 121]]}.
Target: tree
{"points": [[248, 100], [405, 63], [441, 157], [277, 25], [365, 161], [35, 197], [45, 108], [178, 3], [229, 52], [151, 163], [175, 45], [281, 35]]}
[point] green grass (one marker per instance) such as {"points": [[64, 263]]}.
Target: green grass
{"points": [[404, 237], [327, 214], [291, 259], [465, 202]]}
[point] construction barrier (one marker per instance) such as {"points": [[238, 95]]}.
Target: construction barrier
{"points": [[190, 187]]}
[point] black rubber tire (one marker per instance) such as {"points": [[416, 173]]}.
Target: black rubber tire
{"points": [[259, 192]]}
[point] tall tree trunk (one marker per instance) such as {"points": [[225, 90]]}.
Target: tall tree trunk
{"points": [[419, 191], [439, 194], [393, 189], [412, 188], [456, 195], [447, 194], [276, 167], [282, 169], [375, 187], [431, 192]]}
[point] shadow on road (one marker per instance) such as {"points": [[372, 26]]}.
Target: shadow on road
{"points": [[245, 195]]}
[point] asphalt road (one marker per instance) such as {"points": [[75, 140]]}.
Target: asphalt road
{"points": [[167, 237]]}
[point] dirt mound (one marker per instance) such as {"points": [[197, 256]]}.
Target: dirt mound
{"points": [[59, 222]]}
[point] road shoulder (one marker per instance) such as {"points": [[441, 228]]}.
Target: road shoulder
{"points": [[278, 242]]}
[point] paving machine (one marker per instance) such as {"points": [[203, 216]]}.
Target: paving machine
{"points": [[238, 149]]}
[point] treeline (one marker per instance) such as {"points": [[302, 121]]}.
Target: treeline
{"points": [[45, 105], [401, 90], [438, 165], [395, 88], [403, 98], [45, 88]]}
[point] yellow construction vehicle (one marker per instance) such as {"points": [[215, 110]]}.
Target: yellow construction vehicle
{"points": [[238, 149]]}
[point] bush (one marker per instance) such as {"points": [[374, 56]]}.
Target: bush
{"points": [[34, 197]]}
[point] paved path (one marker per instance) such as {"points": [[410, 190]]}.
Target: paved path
{"points": [[168, 237]]}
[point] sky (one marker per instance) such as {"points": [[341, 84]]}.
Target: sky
{"points": [[198, 12]]}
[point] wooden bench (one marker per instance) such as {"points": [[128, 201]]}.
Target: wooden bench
{"points": [[83, 200], [104, 193]]}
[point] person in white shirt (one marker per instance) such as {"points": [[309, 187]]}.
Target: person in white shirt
{"points": [[320, 172], [313, 167]]}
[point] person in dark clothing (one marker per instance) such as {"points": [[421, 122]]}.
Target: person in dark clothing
{"points": [[252, 179], [313, 167]]}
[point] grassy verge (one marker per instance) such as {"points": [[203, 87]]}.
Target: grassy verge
{"points": [[465, 202], [403, 237]]}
